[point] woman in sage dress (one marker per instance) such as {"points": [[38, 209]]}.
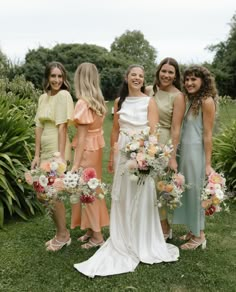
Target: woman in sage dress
{"points": [[195, 151], [135, 230], [55, 111], [90, 111], [171, 107]]}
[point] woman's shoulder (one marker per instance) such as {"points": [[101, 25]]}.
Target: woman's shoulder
{"points": [[64, 93]]}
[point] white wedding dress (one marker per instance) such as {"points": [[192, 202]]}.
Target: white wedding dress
{"points": [[135, 229]]}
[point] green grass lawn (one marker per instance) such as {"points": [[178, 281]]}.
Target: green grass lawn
{"points": [[26, 266]]}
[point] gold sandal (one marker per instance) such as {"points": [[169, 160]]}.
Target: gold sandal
{"points": [[91, 244], [84, 237], [193, 244], [55, 245]]}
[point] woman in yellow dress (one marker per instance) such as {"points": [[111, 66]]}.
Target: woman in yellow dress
{"points": [[89, 115], [55, 111], [171, 108]]}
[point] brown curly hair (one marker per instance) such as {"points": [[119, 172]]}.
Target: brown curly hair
{"points": [[207, 89]]}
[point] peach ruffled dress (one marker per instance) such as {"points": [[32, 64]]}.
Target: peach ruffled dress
{"points": [[95, 215]]}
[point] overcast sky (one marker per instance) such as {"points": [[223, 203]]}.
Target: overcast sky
{"points": [[178, 28]]}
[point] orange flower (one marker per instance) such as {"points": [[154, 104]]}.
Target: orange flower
{"points": [[160, 185], [152, 150], [45, 165], [169, 188]]}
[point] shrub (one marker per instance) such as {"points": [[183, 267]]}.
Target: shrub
{"points": [[224, 154], [17, 109]]}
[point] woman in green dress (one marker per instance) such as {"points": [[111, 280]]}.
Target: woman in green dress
{"points": [[55, 111], [171, 107], [195, 151]]}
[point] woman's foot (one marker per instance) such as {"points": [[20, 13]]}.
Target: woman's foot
{"points": [[168, 235], [55, 244], [91, 244], [85, 237], [62, 237], [193, 243], [187, 236]]}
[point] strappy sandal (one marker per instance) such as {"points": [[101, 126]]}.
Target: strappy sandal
{"points": [[84, 237], [187, 236], [91, 244], [55, 245], [193, 244]]}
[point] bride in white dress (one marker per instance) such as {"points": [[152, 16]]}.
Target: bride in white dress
{"points": [[135, 231]]}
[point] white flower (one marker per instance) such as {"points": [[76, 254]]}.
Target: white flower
{"points": [[159, 205], [101, 196], [93, 183], [134, 146], [54, 165], [133, 155], [219, 194], [217, 186], [43, 180]]}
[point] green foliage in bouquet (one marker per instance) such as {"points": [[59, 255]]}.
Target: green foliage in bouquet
{"points": [[224, 154], [17, 109]]}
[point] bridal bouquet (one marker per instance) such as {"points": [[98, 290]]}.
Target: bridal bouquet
{"points": [[170, 188], [213, 194], [46, 179], [83, 186], [146, 156]]}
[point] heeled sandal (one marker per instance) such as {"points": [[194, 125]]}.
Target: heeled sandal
{"points": [[187, 236], [193, 244], [85, 237], [91, 244], [168, 235], [58, 245]]}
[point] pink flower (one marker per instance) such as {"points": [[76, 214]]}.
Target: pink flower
{"points": [[179, 179], [211, 188], [87, 199], [45, 165], [89, 173], [28, 178], [58, 184], [216, 178]]}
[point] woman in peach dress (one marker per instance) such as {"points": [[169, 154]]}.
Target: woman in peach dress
{"points": [[88, 142]]}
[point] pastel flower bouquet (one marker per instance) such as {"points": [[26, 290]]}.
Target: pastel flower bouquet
{"points": [[170, 188], [146, 156], [46, 179], [213, 195], [83, 186]]}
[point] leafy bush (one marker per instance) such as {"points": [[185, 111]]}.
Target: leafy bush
{"points": [[224, 154], [17, 110]]}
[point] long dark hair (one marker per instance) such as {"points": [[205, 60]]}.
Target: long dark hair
{"points": [[207, 89], [124, 90], [47, 72], [176, 81]]}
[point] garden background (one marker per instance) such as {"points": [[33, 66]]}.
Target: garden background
{"points": [[24, 263]]}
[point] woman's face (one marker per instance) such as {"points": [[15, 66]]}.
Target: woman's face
{"points": [[192, 84], [166, 75], [55, 80], [135, 78]]}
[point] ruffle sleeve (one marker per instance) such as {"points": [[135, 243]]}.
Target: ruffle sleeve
{"points": [[64, 108], [83, 114]]}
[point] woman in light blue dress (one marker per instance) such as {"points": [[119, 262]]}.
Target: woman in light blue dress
{"points": [[195, 151]]}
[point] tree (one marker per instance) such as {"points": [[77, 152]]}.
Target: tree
{"points": [[136, 49], [224, 62]]}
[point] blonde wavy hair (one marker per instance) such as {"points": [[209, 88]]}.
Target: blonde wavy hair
{"points": [[87, 87]]}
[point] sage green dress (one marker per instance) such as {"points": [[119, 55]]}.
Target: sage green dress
{"points": [[192, 166], [165, 104]]}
